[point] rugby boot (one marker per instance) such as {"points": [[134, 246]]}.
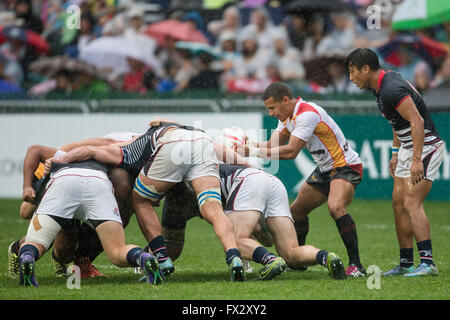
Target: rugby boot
{"points": [[335, 267], [26, 271], [274, 268]]}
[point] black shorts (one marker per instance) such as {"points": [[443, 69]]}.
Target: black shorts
{"points": [[180, 205], [321, 180]]}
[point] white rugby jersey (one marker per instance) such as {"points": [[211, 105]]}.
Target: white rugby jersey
{"points": [[324, 139]]}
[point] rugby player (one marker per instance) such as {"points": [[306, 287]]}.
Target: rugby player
{"points": [[417, 152], [166, 154], [81, 243], [339, 168], [247, 195], [82, 185]]}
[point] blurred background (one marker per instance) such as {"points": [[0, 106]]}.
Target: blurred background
{"points": [[101, 65]]}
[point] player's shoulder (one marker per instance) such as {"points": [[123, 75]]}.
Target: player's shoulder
{"points": [[392, 80], [308, 109]]}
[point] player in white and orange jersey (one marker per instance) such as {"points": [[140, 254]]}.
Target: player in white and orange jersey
{"points": [[339, 169]]}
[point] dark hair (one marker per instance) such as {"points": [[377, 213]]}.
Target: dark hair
{"points": [[361, 57], [277, 90]]}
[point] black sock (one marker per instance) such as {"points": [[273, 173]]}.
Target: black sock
{"points": [[231, 253], [406, 257], [302, 229], [263, 256], [30, 250], [425, 251], [159, 249], [133, 257], [347, 229], [321, 257]]}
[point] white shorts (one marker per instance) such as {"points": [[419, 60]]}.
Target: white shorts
{"points": [[183, 155], [82, 194], [254, 190], [432, 156]]}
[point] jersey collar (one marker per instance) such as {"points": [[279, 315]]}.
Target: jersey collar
{"points": [[380, 79]]}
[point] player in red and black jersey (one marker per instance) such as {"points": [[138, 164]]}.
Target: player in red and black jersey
{"points": [[417, 153]]}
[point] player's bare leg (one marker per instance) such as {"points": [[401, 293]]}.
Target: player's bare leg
{"points": [[212, 211], [340, 196], [308, 199], [297, 256], [112, 237], [244, 224], [148, 219], [411, 221]]}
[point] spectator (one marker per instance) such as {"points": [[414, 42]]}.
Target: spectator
{"points": [[135, 20], [442, 77], [231, 22], [414, 69], [205, 78], [13, 50], [7, 87], [297, 30], [185, 70], [287, 59], [261, 27], [24, 11], [134, 80], [253, 62], [340, 82], [340, 40], [86, 32], [229, 56], [316, 32]]}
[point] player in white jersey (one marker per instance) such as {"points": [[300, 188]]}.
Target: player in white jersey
{"points": [[66, 248], [339, 170]]}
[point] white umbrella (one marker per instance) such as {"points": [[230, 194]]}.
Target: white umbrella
{"points": [[112, 52]]}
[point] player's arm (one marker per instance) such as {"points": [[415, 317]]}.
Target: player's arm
{"points": [[110, 155], [278, 138], [88, 142], [283, 152], [35, 154], [407, 109], [394, 159], [229, 156]]}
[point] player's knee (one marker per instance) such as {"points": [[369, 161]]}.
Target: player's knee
{"points": [[26, 210], [336, 209], [411, 204], [42, 230]]}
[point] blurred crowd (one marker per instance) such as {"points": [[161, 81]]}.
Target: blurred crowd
{"points": [[172, 46]]}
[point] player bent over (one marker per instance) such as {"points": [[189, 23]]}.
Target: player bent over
{"points": [[81, 191], [175, 153], [305, 125], [247, 194]]}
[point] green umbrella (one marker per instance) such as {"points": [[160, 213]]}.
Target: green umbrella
{"points": [[419, 14]]}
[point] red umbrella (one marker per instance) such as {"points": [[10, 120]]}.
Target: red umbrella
{"points": [[175, 29], [29, 37]]}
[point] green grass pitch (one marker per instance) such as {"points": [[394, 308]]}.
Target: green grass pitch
{"points": [[201, 272]]}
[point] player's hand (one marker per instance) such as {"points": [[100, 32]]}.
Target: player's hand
{"points": [[28, 194], [240, 149], [416, 171], [48, 164], [393, 164]]}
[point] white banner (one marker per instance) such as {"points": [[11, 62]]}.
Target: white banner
{"points": [[18, 132]]}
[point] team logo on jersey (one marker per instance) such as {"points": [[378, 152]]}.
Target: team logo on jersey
{"points": [[116, 212]]}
